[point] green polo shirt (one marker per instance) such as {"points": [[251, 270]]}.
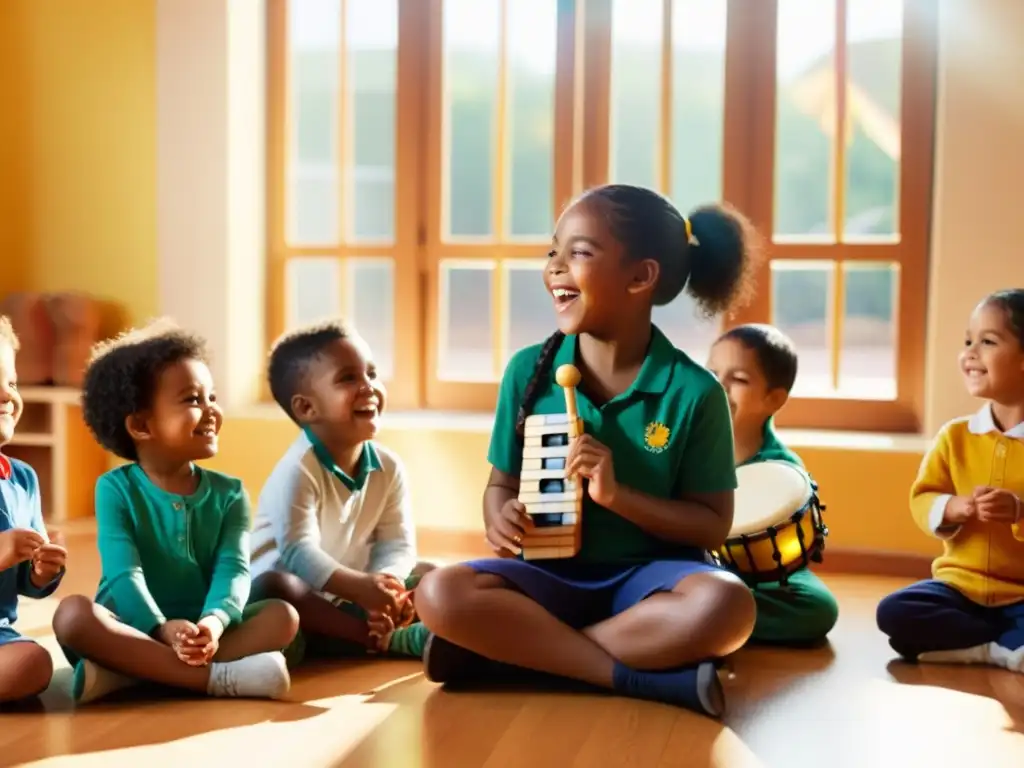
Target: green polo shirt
{"points": [[165, 556], [772, 448], [670, 433], [369, 462]]}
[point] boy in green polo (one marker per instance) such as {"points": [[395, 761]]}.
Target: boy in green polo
{"points": [[334, 533], [757, 366]]}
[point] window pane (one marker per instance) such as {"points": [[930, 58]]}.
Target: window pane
{"points": [[873, 93], [806, 118], [867, 363], [371, 28], [314, 45], [530, 111], [698, 101], [530, 311], [371, 299], [471, 69], [635, 91], [466, 348], [314, 290], [801, 301], [681, 322]]}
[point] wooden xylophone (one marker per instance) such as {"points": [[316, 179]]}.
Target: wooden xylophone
{"points": [[553, 500]]}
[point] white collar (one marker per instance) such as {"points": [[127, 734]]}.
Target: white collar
{"points": [[982, 423]]}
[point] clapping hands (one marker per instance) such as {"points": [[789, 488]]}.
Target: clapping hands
{"points": [[21, 544]]}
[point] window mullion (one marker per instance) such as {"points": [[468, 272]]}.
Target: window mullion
{"points": [[664, 148]]}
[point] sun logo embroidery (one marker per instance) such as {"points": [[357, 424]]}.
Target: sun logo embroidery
{"points": [[656, 437]]}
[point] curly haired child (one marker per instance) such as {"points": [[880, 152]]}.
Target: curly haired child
{"points": [[173, 537]]}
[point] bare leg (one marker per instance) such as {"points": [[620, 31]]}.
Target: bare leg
{"points": [[317, 616], [94, 633], [478, 612], [25, 670], [707, 615], [271, 629], [108, 646]]}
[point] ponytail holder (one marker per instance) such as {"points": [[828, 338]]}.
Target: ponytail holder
{"points": [[690, 239]]}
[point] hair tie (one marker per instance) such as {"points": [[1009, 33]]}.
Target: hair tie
{"points": [[690, 239]]}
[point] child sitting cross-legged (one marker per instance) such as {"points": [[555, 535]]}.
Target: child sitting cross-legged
{"points": [[968, 494], [757, 366], [334, 532], [173, 537]]}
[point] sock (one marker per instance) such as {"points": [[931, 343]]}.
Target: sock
{"points": [[262, 675], [408, 641], [91, 682], [978, 654], [697, 688], [1003, 657]]}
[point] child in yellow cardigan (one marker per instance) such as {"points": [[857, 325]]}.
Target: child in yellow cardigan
{"points": [[968, 493]]}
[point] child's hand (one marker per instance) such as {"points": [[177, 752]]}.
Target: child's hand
{"points": [[593, 460], [996, 505], [47, 563], [959, 509], [380, 592], [408, 610], [176, 634], [18, 545], [505, 530], [199, 650], [381, 625]]}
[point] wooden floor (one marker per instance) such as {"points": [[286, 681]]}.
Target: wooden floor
{"points": [[849, 704]]}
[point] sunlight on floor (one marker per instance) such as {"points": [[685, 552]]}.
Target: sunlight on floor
{"points": [[932, 725], [325, 739]]}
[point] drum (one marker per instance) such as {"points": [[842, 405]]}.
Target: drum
{"points": [[777, 525]]}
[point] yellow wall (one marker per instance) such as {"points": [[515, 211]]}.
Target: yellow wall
{"points": [[14, 97], [78, 202], [83, 81], [976, 236]]}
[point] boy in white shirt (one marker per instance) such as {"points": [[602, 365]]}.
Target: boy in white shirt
{"points": [[334, 533]]}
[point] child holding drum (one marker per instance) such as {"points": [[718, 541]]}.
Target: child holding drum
{"points": [[968, 494], [757, 365]]}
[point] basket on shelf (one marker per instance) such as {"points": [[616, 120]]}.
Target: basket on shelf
{"points": [[56, 331]]}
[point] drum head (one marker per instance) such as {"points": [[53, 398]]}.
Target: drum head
{"points": [[769, 493]]}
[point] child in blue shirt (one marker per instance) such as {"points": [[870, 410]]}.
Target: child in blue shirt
{"points": [[30, 566], [173, 537]]}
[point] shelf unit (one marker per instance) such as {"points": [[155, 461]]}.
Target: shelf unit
{"points": [[53, 438]]}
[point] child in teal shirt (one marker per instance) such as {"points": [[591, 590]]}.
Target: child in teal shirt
{"points": [[757, 367], [173, 538], [30, 566]]}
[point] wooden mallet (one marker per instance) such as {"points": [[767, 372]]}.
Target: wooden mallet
{"points": [[568, 377]]}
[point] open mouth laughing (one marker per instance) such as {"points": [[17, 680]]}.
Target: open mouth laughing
{"points": [[564, 297], [207, 431], [367, 410]]}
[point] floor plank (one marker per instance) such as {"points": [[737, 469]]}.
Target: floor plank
{"points": [[847, 704]]}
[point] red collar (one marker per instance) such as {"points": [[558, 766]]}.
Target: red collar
{"points": [[5, 468]]}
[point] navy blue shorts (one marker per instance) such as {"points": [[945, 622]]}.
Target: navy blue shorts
{"points": [[9, 634], [582, 594]]}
